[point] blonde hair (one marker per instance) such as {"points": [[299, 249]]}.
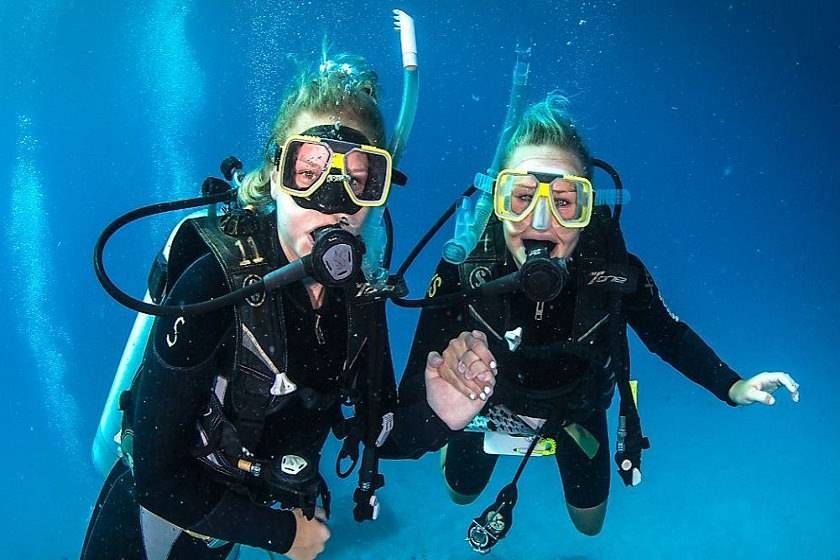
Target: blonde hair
{"points": [[549, 123], [341, 84]]}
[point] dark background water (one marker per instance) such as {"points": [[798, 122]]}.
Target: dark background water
{"points": [[721, 116]]}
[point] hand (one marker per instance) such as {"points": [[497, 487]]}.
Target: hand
{"points": [[469, 366], [310, 537], [451, 406], [760, 388]]}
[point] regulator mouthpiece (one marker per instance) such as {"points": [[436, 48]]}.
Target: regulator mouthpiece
{"points": [[336, 258], [541, 277]]}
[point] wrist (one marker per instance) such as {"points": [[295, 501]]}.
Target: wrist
{"points": [[733, 395]]}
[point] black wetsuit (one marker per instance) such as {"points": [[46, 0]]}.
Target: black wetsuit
{"points": [[173, 389], [586, 481]]}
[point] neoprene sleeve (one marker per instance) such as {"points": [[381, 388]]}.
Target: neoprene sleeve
{"points": [[673, 340]]}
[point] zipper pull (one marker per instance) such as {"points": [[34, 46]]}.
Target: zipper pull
{"points": [[319, 334], [538, 312], [282, 385]]}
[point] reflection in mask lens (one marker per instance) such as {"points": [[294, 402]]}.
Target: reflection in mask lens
{"points": [[307, 166]]}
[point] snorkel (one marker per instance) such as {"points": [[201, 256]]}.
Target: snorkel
{"points": [[375, 230], [472, 220]]}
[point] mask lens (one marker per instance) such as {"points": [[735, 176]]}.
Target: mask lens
{"points": [[366, 175], [305, 166], [515, 195], [567, 196]]}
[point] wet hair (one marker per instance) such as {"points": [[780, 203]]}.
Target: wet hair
{"points": [[341, 84], [549, 123]]}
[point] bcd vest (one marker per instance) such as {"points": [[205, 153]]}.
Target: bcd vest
{"points": [[595, 278], [602, 275], [257, 382]]}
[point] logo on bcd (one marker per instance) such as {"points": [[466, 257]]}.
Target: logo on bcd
{"points": [[172, 339], [257, 299], [292, 464], [479, 276], [365, 289], [601, 277]]}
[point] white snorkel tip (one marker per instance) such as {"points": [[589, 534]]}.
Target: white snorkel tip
{"points": [[404, 23]]}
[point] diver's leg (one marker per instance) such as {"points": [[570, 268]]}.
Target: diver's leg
{"points": [[163, 540], [466, 467], [586, 482], [588, 521], [114, 528]]}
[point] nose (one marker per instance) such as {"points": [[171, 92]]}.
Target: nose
{"points": [[349, 222], [541, 218]]}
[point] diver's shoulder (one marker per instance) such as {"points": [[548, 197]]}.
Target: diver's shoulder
{"points": [[445, 280], [634, 260]]}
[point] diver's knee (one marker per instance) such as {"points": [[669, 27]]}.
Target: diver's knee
{"points": [[588, 521], [588, 529], [457, 497]]}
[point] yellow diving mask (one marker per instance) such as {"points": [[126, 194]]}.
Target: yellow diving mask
{"points": [[334, 175], [569, 198]]}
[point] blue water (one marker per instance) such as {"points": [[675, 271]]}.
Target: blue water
{"points": [[721, 116]]}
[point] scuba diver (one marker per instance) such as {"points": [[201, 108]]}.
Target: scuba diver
{"points": [[269, 321], [530, 327]]}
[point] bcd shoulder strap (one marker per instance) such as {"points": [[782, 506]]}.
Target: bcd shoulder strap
{"points": [[260, 381]]}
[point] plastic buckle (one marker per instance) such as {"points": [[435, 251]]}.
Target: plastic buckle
{"points": [[484, 182]]}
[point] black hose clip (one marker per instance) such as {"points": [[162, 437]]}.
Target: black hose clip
{"points": [[367, 504]]}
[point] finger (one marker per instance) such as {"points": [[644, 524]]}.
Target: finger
{"points": [[433, 362], [479, 334], [478, 372], [791, 385], [468, 387], [464, 335], [470, 364], [436, 368], [757, 395], [453, 352], [485, 380], [478, 344], [481, 373], [465, 364], [460, 342]]}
